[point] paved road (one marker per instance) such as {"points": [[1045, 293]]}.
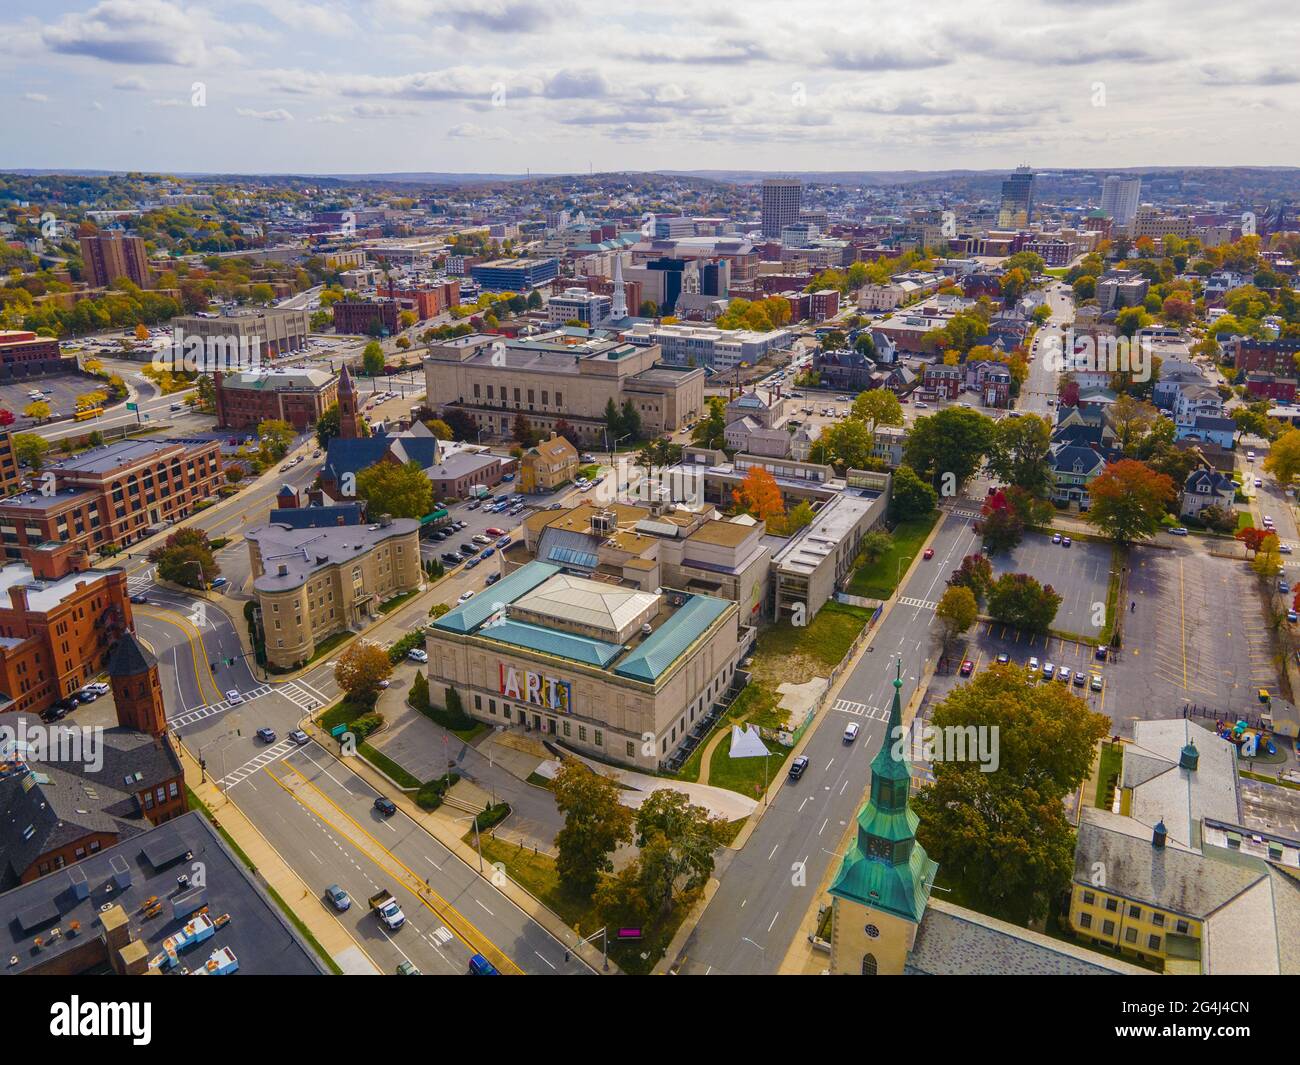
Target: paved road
{"points": [[767, 887], [1043, 382]]}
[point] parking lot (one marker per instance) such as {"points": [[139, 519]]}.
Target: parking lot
{"points": [[1080, 574], [61, 392], [1197, 633]]}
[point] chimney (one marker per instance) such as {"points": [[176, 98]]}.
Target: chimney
{"points": [[283, 569], [1189, 757], [1158, 835]]}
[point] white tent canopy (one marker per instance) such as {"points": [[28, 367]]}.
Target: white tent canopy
{"points": [[747, 743]]}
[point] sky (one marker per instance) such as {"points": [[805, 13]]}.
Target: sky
{"points": [[474, 86]]}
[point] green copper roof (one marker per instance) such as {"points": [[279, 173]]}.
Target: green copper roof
{"points": [[886, 869], [553, 642], [469, 616], [659, 651]]}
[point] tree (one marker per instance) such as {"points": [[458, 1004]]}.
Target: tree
{"points": [[522, 430], [620, 901], [6, 417], [360, 670], [872, 547], [613, 422], [595, 823], [975, 573], [1252, 538], [957, 611], [1018, 453], [1000, 525], [849, 443], [185, 557], [439, 428], [910, 497], [327, 425], [1283, 459], [630, 421], [1128, 500], [710, 432], [400, 491], [947, 448], [1132, 420], [759, 494], [372, 359], [37, 411], [1130, 319], [1020, 601], [1267, 562], [275, 436], [677, 841], [30, 449], [1003, 836]]}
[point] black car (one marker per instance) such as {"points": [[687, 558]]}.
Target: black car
{"points": [[385, 806], [139, 597], [493, 578], [798, 766], [451, 557], [468, 549], [53, 713]]}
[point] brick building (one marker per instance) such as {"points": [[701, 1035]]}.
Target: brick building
{"points": [[296, 396], [58, 621], [366, 316], [108, 256], [425, 301], [1271, 386], [18, 346], [946, 381], [111, 496], [1267, 356]]}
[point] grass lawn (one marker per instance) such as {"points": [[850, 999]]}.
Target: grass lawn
{"points": [[330, 642], [536, 873], [745, 775], [877, 580], [1112, 758], [798, 653], [392, 604], [1244, 520], [387, 766]]}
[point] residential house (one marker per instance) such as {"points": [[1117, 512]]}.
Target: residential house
{"points": [[1206, 488], [1073, 467], [548, 465], [1207, 427]]}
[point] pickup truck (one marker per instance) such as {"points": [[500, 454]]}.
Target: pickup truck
{"points": [[386, 908]]}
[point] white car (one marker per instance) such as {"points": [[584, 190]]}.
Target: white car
{"points": [[1284, 548], [1033, 665], [851, 732], [465, 597], [416, 654], [99, 687], [1259, 482], [233, 696]]}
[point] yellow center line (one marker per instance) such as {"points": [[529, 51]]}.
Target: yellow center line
{"points": [[422, 890], [182, 623]]}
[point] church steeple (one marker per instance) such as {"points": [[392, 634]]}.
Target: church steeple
{"points": [[349, 414], [886, 869]]}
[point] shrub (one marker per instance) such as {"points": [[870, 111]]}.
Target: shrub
{"points": [[411, 640], [364, 725], [420, 692]]}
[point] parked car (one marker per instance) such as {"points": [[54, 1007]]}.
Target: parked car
{"points": [[492, 578], [100, 687], [851, 732], [217, 582], [967, 668], [266, 735], [1284, 548], [468, 549], [471, 563], [1178, 531], [54, 713], [1095, 682], [1078, 679], [482, 540], [494, 531], [1048, 670], [798, 766], [451, 558], [473, 504], [1003, 658], [385, 806], [505, 541], [465, 597], [339, 898], [85, 695], [1283, 587], [1066, 541], [1056, 538], [1063, 675], [417, 654], [1292, 617], [1033, 664]]}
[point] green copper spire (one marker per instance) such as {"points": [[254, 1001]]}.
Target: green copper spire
{"points": [[886, 868]]}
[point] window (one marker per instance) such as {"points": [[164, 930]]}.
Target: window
{"points": [[869, 967], [1112, 905], [582, 733], [1181, 927], [1153, 942], [1130, 935], [1089, 898], [1135, 912], [631, 749], [1158, 919], [1085, 920], [1108, 928]]}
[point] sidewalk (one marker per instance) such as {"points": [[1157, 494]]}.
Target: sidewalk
{"points": [[276, 874]]}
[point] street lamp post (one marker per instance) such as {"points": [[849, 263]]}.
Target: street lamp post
{"points": [[898, 578], [478, 843]]}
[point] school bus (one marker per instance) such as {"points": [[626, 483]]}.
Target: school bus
{"points": [[88, 413]]}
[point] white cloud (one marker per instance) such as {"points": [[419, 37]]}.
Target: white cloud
{"points": [[36, 98], [278, 115]]}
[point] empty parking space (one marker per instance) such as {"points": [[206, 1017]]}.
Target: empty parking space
{"points": [[1196, 633], [1079, 573]]}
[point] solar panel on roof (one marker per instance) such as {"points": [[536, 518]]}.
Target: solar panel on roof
{"points": [[161, 849]]}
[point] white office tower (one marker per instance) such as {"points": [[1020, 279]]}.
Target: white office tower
{"points": [[782, 199], [1120, 197]]}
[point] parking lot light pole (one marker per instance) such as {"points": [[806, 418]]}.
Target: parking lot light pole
{"points": [[898, 578]]}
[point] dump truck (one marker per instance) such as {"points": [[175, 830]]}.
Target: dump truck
{"points": [[387, 909]]}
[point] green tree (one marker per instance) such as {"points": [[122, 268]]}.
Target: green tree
{"points": [[1020, 601], [710, 431], [372, 359], [595, 823], [630, 421], [185, 557], [873, 546], [1018, 453], [1003, 836], [910, 497], [878, 407], [274, 436], [1267, 562], [38, 411], [360, 670], [975, 573], [400, 491], [30, 449], [327, 425], [1283, 459], [677, 841], [848, 443], [613, 421], [948, 447]]}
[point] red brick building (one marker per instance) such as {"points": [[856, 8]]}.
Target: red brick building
{"points": [[59, 619], [1268, 356], [108, 256], [361, 316], [296, 396], [111, 495], [1271, 386], [424, 301], [944, 380], [19, 346]]}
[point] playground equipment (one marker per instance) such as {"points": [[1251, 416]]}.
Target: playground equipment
{"points": [[1251, 742]]}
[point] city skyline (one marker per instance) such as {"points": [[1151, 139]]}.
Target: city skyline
{"points": [[514, 85]]}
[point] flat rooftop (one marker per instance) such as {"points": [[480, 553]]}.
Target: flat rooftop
{"points": [[836, 520], [44, 596], [143, 867]]}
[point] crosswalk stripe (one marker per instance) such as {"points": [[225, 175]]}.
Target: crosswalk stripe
{"points": [[924, 604], [201, 712], [271, 754]]}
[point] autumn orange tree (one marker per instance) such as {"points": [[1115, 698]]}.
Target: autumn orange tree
{"points": [[759, 495], [1128, 500]]}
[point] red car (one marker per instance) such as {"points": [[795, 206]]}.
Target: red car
{"points": [[967, 668], [929, 553], [494, 531]]}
